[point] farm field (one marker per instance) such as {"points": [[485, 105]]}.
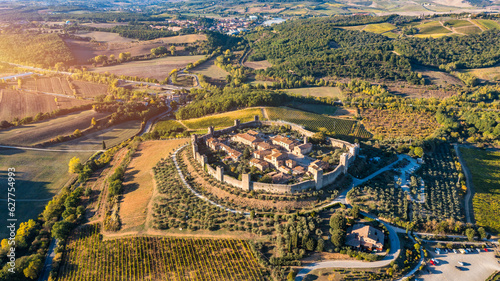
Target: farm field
{"points": [[379, 27], [38, 132], [263, 64], [39, 176], [488, 73], [326, 92], [111, 136], [224, 119], [155, 258], [16, 104], [485, 169], [188, 38], [433, 27], [60, 85], [395, 124], [458, 23], [316, 122], [105, 37], [471, 29], [156, 68], [138, 182], [209, 69]]}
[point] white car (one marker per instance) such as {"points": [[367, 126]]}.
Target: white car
{"points": [[461, 263], [478, 250], [454, 251], [435, 261]]}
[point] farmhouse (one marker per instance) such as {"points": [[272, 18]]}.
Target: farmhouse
{"points": [[284, 142], [365, 236], [259, 164], [264, 146]]}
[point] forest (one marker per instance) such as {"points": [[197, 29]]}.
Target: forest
{"points": [[315, 47], [38, 50], [473, 51]]}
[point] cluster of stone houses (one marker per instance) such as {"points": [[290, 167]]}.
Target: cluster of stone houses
{"points": [[273, 153]]}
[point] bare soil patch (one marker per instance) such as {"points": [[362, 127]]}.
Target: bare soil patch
{"points": [[17, 104], [439, 78], [138, 181], [413, 91]]}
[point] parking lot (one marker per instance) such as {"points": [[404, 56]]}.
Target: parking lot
{"points": [[477, 266]]}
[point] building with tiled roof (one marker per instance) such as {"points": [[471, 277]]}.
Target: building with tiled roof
{"points": [[284, 142], [365, 236], [301, 150], [259, 164], [246, 139]]}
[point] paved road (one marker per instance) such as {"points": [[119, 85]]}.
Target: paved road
{"points": [[17, 76], [149, 124], [47, 267], [469, 214], [183, 179]]}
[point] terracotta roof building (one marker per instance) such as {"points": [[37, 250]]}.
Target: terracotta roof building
{"points": [[365, 236], [246, 139], [259, 164], [284, 142]]}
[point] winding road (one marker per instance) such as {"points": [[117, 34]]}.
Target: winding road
{"points": [[469, 214]]}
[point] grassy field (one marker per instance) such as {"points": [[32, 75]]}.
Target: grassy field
{"points": [[487, 24], [167, 125], [379, 27], [395, 124], [138, 181], [32, 134], [328, 92], [156, 68], [316, 122], [60, 85], [433, 27], [16, 104], [485, 169], [157, 258], [209, 69], [224, 119], [111, 136], [39, 176], [488, 73]]}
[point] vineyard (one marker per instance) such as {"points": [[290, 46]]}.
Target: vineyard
{"points": [[397, 124], [315, 122], [88, 257]]}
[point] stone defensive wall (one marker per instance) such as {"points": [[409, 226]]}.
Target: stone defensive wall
{"points": [[320, 180]]}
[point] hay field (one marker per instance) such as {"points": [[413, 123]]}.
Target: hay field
{"points": [[328, 92], [38, 132], [138, 182], [157, 68], [189, 38], [209, 69], [15, 104], [224, 119]]}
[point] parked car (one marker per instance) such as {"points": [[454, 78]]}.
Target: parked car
{"points": [[432, 262], [478, 250], [435, 261], [454, 251], [459, 268], [486, 250], [461, 263]]}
